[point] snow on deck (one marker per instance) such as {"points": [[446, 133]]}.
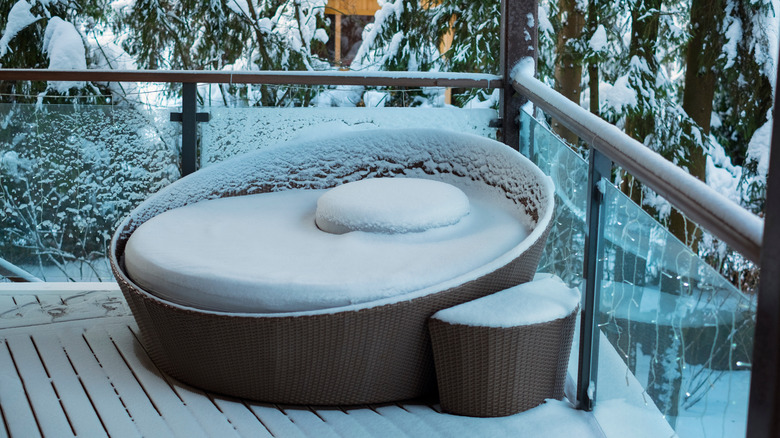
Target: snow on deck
{"points": [[71, 365]]}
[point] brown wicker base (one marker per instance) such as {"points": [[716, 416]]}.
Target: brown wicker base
{"points": [[493, 372], [373, 355]]}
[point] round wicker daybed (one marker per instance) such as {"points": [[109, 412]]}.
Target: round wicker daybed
{"points": [[371, 352]]}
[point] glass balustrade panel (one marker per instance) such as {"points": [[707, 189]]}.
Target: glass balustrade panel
{"points": [[676, 336], [681, 329], [234, 131], [563, 253], [69, 174]]}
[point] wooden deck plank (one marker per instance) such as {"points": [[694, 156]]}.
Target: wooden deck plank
{"points": [[51, 303], [21, 306], [45, 402], [344, 424], [74, 399], [215, 422], [309, 423], [7, 306], [410, 423], [240, 416], [445, 425], [17, 411], [30, 309], [57, 288], [98, 302], [143, 412], [23, 309], [170, 406], [130, 397], [3, 424], [379, 425], [279, 424], [26, 301], [108, 405]]}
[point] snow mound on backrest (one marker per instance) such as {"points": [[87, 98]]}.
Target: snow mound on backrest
{"points": [[461, 159]]}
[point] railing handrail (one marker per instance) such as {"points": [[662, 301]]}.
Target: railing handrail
{"points": [[331, 77], [15, 273], [727, 220]]}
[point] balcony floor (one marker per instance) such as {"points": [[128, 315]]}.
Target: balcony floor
{"points": [[71, 364]]}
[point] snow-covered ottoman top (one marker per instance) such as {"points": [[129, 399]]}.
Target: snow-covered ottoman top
{"points": [[545, 299], [301, 250]]}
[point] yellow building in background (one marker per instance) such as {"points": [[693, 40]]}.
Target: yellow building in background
{"points": [[348, 18]]}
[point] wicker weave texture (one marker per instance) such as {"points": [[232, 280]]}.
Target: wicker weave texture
{"points": [[492, 372], [371, 355]]}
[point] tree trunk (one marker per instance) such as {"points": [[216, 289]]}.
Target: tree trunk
{"points": [[568, 69], [644, 34], [704, 47], [593, 68]]}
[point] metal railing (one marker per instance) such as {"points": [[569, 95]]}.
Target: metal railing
{"points": [[721, 216], [189, 117], [725, 219], [15, 274], [369, 78]]}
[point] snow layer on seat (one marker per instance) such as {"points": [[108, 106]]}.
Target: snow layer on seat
{"points": [[264, 253], [545, 299]]}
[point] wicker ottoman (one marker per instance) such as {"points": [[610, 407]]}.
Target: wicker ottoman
{"points": [[507, 352]]}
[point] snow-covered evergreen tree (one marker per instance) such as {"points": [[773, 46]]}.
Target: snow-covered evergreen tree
{"points": [[743, 100], [402, 37], [48, 34], [228, 35], [473, 27]]}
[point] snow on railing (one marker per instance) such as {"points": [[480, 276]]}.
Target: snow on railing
{"points": [[15, 273], [364, 78]]}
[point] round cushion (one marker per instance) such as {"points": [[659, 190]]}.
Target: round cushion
{"points": [[390, 205]]}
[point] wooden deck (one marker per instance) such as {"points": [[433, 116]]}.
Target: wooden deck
{"points": [[71, 364]]}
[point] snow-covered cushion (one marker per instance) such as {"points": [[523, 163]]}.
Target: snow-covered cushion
{"points": [[484, 170], [545, 299], [390, 205], [263, 253]]}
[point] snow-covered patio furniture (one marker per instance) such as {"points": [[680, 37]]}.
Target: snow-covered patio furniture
{"points": [[368, 352], [507, 352]]}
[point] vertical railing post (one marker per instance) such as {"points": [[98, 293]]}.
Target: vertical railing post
{"points": [[764, 406], [519, 23], [599, 166], [189, 118], [189, 128]]}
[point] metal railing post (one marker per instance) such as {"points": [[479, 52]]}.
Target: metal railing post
{"points": [[599, 166], [189, 129], [189, 118], [519, 40]]}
